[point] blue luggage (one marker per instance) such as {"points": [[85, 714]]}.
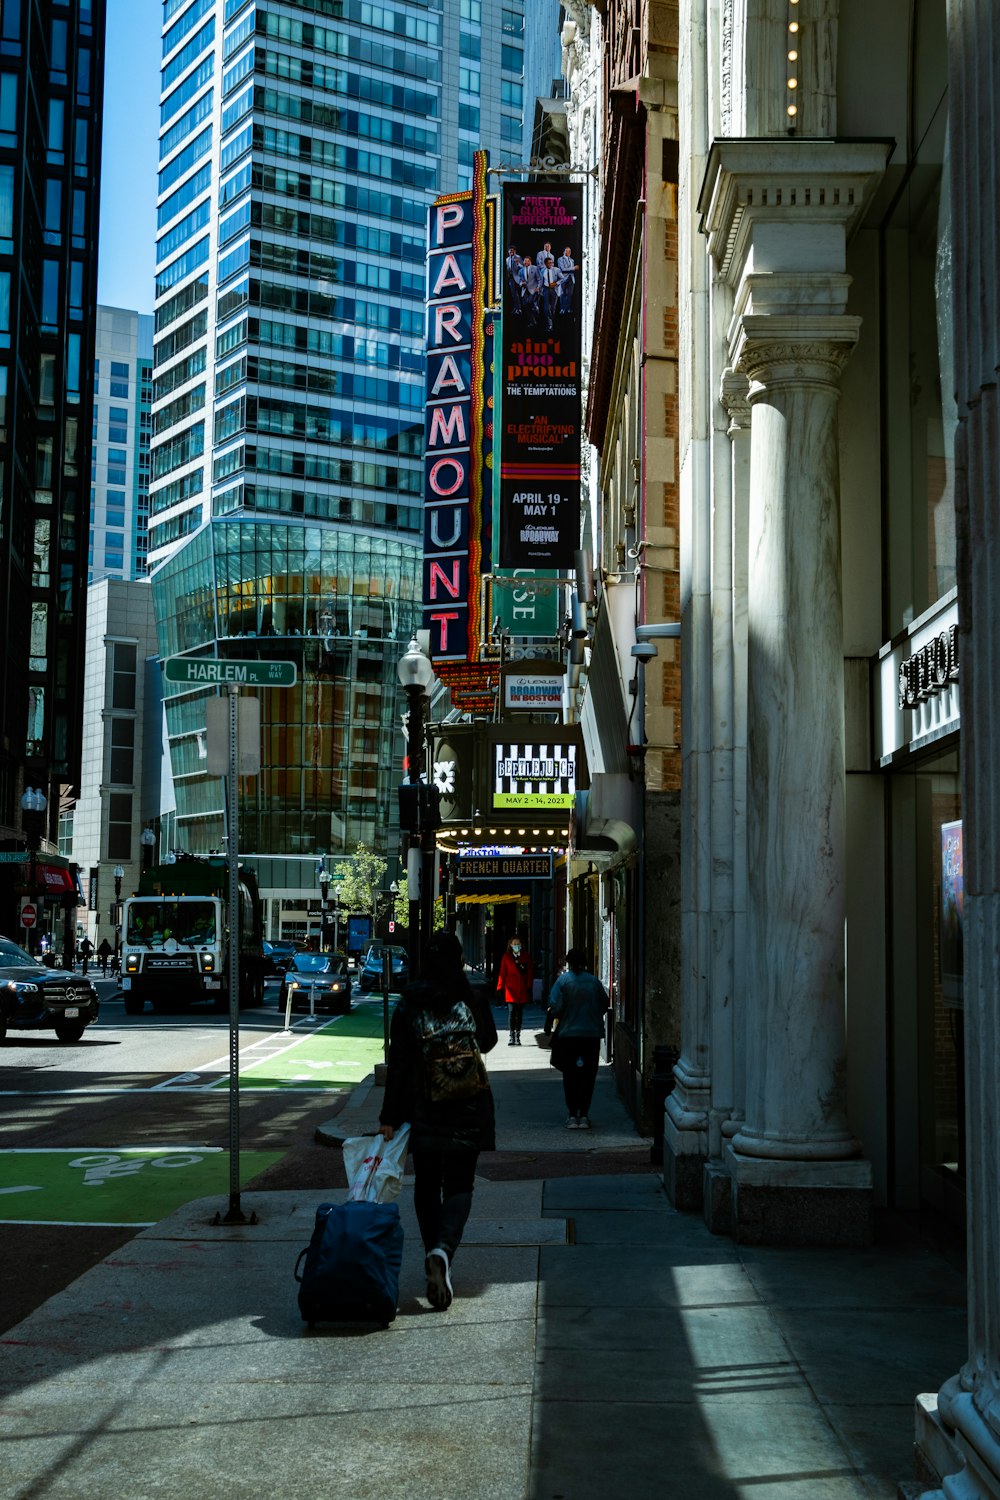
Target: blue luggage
{"points": [[352, 1264]]}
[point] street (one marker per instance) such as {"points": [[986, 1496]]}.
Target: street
{"points": [[113, 1132]]}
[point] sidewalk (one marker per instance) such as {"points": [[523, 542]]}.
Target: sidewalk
{"points": [[600, 1344]]}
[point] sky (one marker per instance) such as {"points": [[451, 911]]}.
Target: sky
{"points": [[126, 262]]}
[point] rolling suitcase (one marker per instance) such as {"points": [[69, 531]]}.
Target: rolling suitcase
{"points": [[352, 1265]]}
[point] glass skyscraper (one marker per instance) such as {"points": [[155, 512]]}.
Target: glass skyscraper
{"points": [[301, 144], [119, 490], [51, 82]]}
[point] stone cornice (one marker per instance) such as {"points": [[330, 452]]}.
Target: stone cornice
{"points": [[792, 181]]}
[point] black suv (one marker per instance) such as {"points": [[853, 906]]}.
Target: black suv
{"points": [[34, 998]]}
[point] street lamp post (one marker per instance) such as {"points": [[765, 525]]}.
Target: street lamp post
{"points": [[119, 877], [33, 805], [324, 886], [147, 839], [416, 675]]}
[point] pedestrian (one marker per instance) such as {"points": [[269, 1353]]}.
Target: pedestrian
{"points": [[578, 1002], [436, 1080], [104, 951], [86, 949], [516, 981]]}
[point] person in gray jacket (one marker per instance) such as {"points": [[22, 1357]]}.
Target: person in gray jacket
{"points": [[579, 1003]]}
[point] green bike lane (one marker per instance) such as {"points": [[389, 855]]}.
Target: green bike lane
{"points": [[126, 1185]]}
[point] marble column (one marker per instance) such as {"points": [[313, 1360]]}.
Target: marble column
{"points": [[795, 1134], [778, 215], [728, 783]]}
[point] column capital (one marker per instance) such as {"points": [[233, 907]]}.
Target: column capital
{"points": [[734, 395], [775, 352]]}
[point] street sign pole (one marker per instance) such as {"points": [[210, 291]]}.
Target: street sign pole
{"points": [[226, 760], [235, 1214]]}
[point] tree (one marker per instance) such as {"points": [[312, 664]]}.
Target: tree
{"points": [[359, 882], [401, 910]]}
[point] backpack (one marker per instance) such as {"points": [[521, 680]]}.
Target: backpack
{"points": [[452, 1067]]}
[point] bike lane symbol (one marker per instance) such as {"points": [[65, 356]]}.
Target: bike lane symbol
{"points": [[100, 1168]]}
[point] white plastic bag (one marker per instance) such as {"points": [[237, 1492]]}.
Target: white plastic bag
{"points": [[374, 1166]]}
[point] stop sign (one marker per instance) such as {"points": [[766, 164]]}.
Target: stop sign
{"points": [[29, 914]]}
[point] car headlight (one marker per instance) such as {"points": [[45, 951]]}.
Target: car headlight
{"points": [[293, 984], [132, 964], [207, 963], [22, 987]]}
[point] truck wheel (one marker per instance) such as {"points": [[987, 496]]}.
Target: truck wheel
{"points": [[134, 1004], [70, 1031]]}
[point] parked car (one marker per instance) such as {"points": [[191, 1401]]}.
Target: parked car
{"points": [[34, 997], [370, 977], [277, 957], [319, 980]]}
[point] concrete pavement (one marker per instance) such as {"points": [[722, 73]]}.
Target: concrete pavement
{"points": [[599, 1344]]}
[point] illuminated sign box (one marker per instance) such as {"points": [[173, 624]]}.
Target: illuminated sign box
{"points": [[505, 867], [533, 690], [533, 776]]}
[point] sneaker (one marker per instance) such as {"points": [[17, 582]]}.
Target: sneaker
{"points": [[583, 1123], [510, 1040], [439, 1288], [572, 1123], [517, 1039]]}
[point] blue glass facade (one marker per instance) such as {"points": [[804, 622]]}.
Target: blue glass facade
{"points": [[51, 84]]}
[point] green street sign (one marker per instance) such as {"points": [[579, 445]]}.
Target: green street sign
{"points": [[235, 673], [15, 858]]}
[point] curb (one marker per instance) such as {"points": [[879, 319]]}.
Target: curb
{"points": [[347, 1123]]}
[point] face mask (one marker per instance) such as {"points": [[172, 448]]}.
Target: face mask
{"points": [[516, 948]]}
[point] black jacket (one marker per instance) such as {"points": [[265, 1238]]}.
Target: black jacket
{"points": [[447, 1125]]}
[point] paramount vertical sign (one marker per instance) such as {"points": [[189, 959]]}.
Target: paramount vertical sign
{"points": [[458, 432], [540, 376]]}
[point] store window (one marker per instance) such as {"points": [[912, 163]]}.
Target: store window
{"points": [[927, 964]]}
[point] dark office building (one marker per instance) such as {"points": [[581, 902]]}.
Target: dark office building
{"points": [[51, 84]]}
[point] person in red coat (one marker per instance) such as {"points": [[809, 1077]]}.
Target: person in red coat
{"points": [[515, 982]]}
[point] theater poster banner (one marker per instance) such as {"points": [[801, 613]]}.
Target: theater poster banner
{"points": [[540, 376], [952, 912]]}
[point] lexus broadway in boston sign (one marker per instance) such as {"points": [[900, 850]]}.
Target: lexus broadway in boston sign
{"points": [[540, 376]]}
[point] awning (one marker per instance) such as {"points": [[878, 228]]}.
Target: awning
{"points": [[56, 880], [494, 900], [604, 818]]}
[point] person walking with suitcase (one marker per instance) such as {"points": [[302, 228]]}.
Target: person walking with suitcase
{"points": [[436, 1079], [515, 981], [578, 1002]]}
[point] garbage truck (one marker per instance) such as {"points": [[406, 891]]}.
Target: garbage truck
{"points": [[175, 937]]}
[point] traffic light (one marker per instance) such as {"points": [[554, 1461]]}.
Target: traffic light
{"points": [[419, 807]]}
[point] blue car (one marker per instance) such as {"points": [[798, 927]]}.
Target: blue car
{"points": [[370, 974]]}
